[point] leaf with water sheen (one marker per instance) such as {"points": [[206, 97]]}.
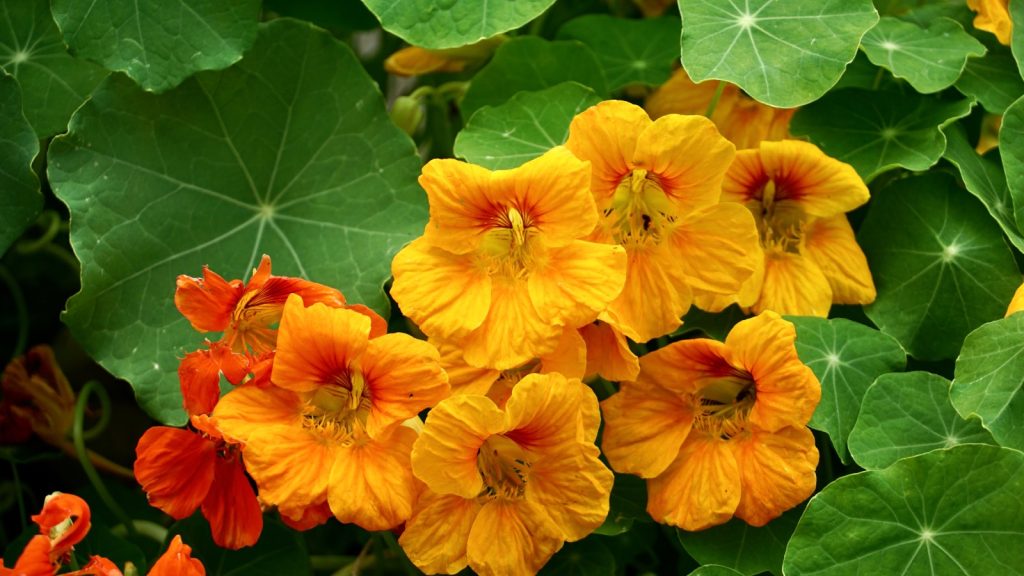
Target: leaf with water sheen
{"points": [[908, 414], [784, 53], [929, 58], [631, 51], [288, 153], [846, 357], [956, 511], [875, 131], [20, 200], [737, 545], [939, 262], [523, 128]]}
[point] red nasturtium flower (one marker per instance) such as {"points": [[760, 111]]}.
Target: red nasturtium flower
{"points": [[505, 488], [501, 270], [177, 561], [657, 186], [718, 429], [329, 429]]}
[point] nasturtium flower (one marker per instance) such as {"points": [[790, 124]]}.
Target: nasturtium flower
{"points": [[1017, 302], [177, 560], [63, 522], [505, 488], [993, 16], [657, 186], [36, 397], [799, 197], [416, 61], [329, 428], [718, 429], [608, 353], [501, 270]]}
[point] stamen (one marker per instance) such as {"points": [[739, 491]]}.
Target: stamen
{"points": [[640, 212], [723, 406], [504, 467]]}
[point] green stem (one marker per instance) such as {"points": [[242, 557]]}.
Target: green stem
{"points": [[50, 222], [21, 309], [100, 426], [22, 514], [83, 457], [394, 548], [714, 99], [878, 78]]}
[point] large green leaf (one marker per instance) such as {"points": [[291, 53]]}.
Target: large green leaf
{"points": [[983, 176], [846, 357], [20, 200], [631, 51], [714, 570], [53, 83], [1011, 151], [288, 153], [939, 262], [1017, 37], [530, 64], [909, 414], [956, 511], [784, 53], [989, 379], [742, 547], [878, 130], [158, 43], [930, 58], [452, 23], [523, 128], [280, 550], [993, 79], [924, 12]]}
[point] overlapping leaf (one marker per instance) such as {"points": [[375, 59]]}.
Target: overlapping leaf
{"points": [[929, 58], [288, 153], [993, 79], [939, 262], [630, 51], [20, 200], [1011, 151], [956, 511], [742, 547], [784, 53]]}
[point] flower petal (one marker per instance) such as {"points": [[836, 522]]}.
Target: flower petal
{"points": [[291, 466], [403, 377], [821, 185], [608, 353], [700, 489], [832, 246], [463, 203], [644, 427], [436, 537], [231, 507], [513, 332], [606, 135], [577, 282], [177, 561], [463, 378], [1017, 302], [546, 411], [569, 358], [246, 410], [776, 472], [553, 191], [199, 376], [718, 249], [444, 456], [654, 298], [793, 284], [573, 487], [35, 559], [686, 366], [207, 302], [175, 468], [371, 484], [511, 538], [316, 344]]}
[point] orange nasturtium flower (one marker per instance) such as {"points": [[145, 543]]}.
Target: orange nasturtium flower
{"points": [[501, 270], [799, 197], [718, 429], [993, 16], [608, 353], [329, 429], [177, 561], [657, 186], [505, 488]]}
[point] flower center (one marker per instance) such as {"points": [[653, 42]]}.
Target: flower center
{"points": [[640, 212], [779, 224], [510, 247], [505, 468], [252, 325], [722, 407], [338, 411]]}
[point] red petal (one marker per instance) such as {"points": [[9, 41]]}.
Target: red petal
{"points": [[177, 561], [231, 507], [57, 509], [175, 468], [207, 302], [199, 376]]}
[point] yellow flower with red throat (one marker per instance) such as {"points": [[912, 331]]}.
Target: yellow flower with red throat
{"points": [[799, 197], [657, 186], [718, 429], [505, 488], [329, 429], [500, 270], [993, 16]]}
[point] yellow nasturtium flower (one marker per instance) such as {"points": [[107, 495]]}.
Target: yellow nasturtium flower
{"points": [[993, 16], [416, 61], [657, 186], [718, 429], [1017, 302], [505, 488]]}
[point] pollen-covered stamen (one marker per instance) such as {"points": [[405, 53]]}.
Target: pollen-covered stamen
{"points": [[339, 410], [640, 212], [781, 225], [252, 326], [508, 247], [722, 407], [504, 467]]}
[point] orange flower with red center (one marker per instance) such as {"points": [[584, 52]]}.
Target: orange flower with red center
{"points": [[798, 197], [657, 186], [329, 429], [500, 270], [505, 488], [993, 16], [718, 429]]}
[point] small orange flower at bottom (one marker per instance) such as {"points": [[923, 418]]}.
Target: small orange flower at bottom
{"points": [[718, 429], [506, 488], [177, 561]]}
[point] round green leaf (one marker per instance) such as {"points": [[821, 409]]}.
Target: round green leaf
{"points": [[930, 58], [280, 550], [909, 414], [784, 53], [715, 570], [846, 357], [528, 64], [1017, 37], [939, 262], [453, 23], [1011, 151], [288, 153], [630, 51], [524, 127], [983, 176], [878, 130], [989, 379], [992, 79], [742, 547], [955, 511], [52, 83], [20, 200], [158, 43]]}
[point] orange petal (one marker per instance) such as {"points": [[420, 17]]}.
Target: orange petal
{"points": [[746, 178], [445, 454], [199, 376], [513, 332], [35, 559], [403, 377], [787, 390], [291, 466], [511, 538], [700, 489], [573, 486], [993, 16], [177, 561], [793, 284], [655, 297], [644, 427], [718, 249], [316, 344], [246, 410], [569, 358], [65, 519], [207, 302], [686, 366], [436, 536], [577, 282], [378, 325], [416, 61], [175, 469], [447, 295], [463, 203], [680, 95], [832, 246], [371, 484], [97, 566], [606, 135], [231, 507], [608, 353], [776, 472], [1017, 302], [306, 517], [463, 378], [546, 411], [803, 174]]}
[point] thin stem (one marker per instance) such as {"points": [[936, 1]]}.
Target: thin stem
{"points": [[100, 426], [21, 309], [22, 514], [714, 99], [878, 78], [100, 462], [50, 222]]}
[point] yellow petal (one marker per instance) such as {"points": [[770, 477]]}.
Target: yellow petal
{"points": [[654, 298], [403, 376], [416, 61], [1017, 302], [291, 466], [608, 353], [511, 538], [463, 203], [776, 472], [606, 135], [793, 284], [686, 366], [547, 410], [993, 16], [745, 179], [569, 358], [436, 536], [680, 95], [573, 486], [315, 344], [718, 249], [700, 489], [371, 483], [463, 378], [513, 331], [247, 409], [444, 457], [832, 246], [821, 185], [577, 282], [644, 427]]}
